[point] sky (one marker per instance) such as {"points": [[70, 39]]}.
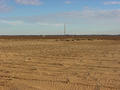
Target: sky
{"points": [[47, 17]]}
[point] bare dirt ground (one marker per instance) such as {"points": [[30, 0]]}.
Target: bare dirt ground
{"points": [[28, 64]]}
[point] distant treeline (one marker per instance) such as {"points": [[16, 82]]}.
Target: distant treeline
{"points": [[104, 37]]}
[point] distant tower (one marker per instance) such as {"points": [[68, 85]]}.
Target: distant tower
{"points": [[64, 29]]}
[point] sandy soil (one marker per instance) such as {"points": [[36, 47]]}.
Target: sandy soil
{"points": [[59, 65]]}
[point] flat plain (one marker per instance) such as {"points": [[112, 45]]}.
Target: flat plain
{"points": [[55, 64]]}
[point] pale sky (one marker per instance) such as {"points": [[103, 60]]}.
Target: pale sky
{"points": [[37, 17]]}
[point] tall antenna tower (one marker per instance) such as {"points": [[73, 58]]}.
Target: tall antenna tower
{"points": [[64, 29]]}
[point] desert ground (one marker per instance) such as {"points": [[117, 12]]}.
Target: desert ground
{"points": [[59, 64]]}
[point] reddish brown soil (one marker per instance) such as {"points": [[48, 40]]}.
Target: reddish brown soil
{"points": [[55, 64]]}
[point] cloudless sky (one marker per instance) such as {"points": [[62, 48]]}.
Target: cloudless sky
{"points": [[26, 17]]}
